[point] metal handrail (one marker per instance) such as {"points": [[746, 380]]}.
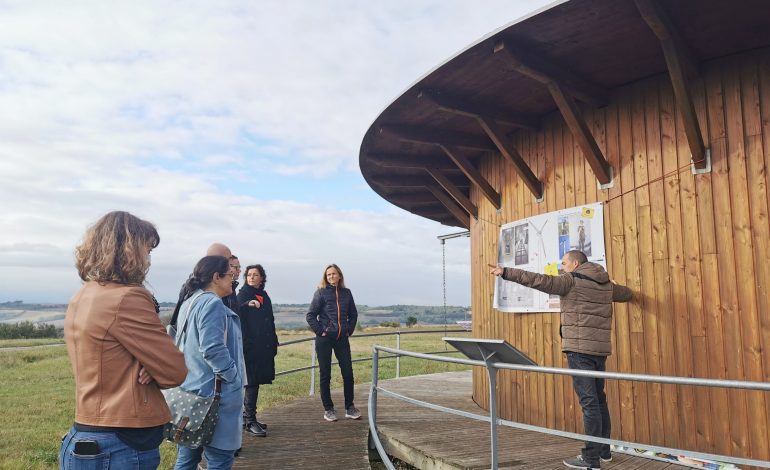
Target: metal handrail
{"points": [[494, 421], [313, 365]]}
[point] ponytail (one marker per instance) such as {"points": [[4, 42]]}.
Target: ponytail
{"points": [[201, 277]]}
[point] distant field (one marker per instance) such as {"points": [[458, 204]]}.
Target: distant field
{"points": [[37, 391], [15, 343]]}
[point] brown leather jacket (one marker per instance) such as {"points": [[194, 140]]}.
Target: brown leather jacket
{"points": [[586, 304], [112, 330]]}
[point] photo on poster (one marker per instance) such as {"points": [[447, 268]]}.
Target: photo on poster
{"points": [[507, 246], [574, 234], [521, 244], [512, 295]]}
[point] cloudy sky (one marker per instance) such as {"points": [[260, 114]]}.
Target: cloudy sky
{"points": [[231, 121]]}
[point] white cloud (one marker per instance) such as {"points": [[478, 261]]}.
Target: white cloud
{"points": [[135, 105]]}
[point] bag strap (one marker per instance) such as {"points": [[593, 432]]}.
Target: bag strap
{"points": [[187, 317], [218, 379]]}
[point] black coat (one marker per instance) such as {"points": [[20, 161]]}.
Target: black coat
{"points": [[260, 342], [332, 311]]}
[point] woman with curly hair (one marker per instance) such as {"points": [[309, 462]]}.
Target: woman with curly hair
{"points": [[120, 353]]}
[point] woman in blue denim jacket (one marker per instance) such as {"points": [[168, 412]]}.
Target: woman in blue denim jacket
{"points": [[212, 347]]}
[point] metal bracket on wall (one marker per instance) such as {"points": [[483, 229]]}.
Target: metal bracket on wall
{"points": [[705, 169], [607, 185]]}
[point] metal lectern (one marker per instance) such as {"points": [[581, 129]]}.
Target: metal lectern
{"points": [[491, 351]]}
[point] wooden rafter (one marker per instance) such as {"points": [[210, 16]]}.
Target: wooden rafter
{"points": [[412, 198], [459, 214], [392, 181], [437, 136], [682, 67], [539, 69], [411, 161], [579, 128], [509, 151], [473, 175], [456, 105], [453, 191]]}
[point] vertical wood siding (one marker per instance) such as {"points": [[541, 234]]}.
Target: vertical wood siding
{"points": [[695, 249]]}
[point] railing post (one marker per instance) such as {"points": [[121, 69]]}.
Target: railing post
{"points": [[492, 371], [312, 369], [398, 358], [375, 381]]}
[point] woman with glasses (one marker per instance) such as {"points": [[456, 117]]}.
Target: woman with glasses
{"points": [[260, 343], [210, 338], [333, 316], [120, 353]]}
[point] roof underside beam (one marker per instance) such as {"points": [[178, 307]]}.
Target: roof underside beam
{"points": [[431, 136], [418, 182], [509, 152], [411, 161], [563, 86], [456, 105], [463, 218], [579, 128], [539, 69], [473, 175], [453, 191], [682, 67]]}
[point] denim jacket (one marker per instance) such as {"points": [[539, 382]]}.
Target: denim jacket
{"points": [[206, 355]]}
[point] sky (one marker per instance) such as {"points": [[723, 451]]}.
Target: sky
{"points": [[231, 121]]}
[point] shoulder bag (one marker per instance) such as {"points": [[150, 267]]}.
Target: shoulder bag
{"points": [[193, 418]]}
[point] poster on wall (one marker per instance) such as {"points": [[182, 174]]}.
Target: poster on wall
{"points": [[537, 244]]}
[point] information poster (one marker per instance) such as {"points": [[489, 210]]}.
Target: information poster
{"points": [[537, 244]]}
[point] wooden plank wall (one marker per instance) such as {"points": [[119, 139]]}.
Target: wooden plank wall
{"points": [[694, 248]]}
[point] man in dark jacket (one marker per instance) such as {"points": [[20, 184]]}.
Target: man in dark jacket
{"points": [[586, 293]]}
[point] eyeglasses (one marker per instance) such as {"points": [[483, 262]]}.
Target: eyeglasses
{"points": [[230, 275]]}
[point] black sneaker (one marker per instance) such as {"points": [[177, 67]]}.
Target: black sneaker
{"points": [[578, 462], [606, 458], [256, 429], [264, 426]]}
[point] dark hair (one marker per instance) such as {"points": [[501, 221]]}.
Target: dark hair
{"points": [[113, 249], [577, 255], [261, 270], [202, 275]]}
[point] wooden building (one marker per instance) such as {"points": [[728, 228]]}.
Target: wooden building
{"points": [[660, 110]]}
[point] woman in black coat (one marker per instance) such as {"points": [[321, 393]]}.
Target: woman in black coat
{"points": [[260, 343]]}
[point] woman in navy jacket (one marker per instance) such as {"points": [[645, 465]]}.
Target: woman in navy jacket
{"points": [[333, 316]]}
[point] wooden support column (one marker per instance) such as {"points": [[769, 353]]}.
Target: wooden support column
{"points": [[681, 67], [473, 175], [453, 191], [577, 125], [508, 151], [462, 217]]}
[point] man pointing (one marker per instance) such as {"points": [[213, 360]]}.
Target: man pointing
{"points": [[586, 294]]}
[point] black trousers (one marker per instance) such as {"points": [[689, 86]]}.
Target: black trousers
{"points": [[250, 404], [593, 401], [324, 345]]}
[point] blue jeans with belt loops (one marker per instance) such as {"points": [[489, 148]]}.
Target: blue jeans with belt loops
{"points": [[113, 453]]}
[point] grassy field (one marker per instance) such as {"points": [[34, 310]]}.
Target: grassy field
{"points": [[37, 391], [14, 343]]}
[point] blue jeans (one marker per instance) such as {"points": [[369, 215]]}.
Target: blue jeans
{"points": [[112, 453], [593, 401], [218, 459]]}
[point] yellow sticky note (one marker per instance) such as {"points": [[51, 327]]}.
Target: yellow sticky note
{"points": [[551, 269], [588, 213]]}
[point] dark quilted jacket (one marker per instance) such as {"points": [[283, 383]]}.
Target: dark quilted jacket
{"points": [[332, 311]]}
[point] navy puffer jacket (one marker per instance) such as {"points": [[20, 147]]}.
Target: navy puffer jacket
{"points": [[332, 311]]}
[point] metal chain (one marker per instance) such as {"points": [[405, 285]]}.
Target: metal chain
{"points": [[443, 266]]}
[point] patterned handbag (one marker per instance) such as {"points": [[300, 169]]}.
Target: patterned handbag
{"points": [[193, 418]]}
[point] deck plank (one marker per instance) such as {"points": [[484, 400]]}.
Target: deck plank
{"points": [[300, 438]]}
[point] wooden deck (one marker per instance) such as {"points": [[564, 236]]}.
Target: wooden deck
{"points": [[300, 438]]}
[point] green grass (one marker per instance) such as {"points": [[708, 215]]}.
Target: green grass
{"points": [[37, 391], [12, 343]]}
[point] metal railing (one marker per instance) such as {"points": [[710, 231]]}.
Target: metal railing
{"points": [[313, 359], [492, 368]]}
